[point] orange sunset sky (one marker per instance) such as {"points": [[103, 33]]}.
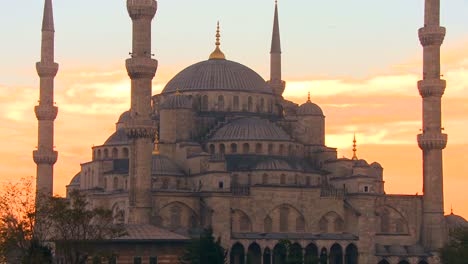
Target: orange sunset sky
{"points": [[371, 92]]}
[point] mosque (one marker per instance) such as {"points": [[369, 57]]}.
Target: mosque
{"points": [[221, 147]]}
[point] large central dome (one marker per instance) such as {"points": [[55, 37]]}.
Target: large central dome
{"points": [[217, 75]]}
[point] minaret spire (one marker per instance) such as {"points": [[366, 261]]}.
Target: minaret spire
{"points": [[45, 156], [354, 148], [432, 141], [217, 54], [276, 83]]}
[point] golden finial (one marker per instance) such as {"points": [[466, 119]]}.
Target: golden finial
{"points": [[217, 53], [451, 209], [308, 97], [178, 91], [354, 148]]}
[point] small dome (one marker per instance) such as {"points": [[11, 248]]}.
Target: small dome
{"points": [[250, 129], [118, 138], [455, 221], [273, 164], [217, 75], [124, 117], [361, 163], [309, 109], [376, 165], [76, 179], [177, 102], [163, 166]]}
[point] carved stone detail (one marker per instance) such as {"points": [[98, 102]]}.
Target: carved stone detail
{"points": [[428, 141], [432, 87], [142, 8], [45, 69], [45, 157], [429, 36], [141, 67], [44, 112]]}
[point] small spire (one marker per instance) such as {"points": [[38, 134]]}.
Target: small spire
{"points": [[354, 148], [48, 18], [451, 209], [217, 54], [308, 98], [276, 40]]}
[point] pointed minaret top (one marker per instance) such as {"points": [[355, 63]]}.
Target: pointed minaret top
{"points": [[48, 19], [354, 148], [217, 53], [276, 41], [308, 98]]}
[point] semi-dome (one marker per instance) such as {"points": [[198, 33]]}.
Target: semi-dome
{"points": [[309, 109], [163, 166], [124, 117], [273, 164], [455, 221], [217, 75], [249, 129], [118, 138], [76, 179], [177, 101]]}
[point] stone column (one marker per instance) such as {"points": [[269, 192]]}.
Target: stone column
{"points": [[432, 141], [140, 128]]}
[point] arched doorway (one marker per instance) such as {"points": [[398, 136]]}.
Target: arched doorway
{"points": [[237, 255], [295, 254], [311, 254], [351, 256], [254, 254], [279, 254], [323, 256], [336, 254], [267, 256]]}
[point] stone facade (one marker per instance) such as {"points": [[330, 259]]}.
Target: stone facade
{"points": [[221, 147]]}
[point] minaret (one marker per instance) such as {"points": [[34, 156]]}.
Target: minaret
{"points": [[432, 141], [140, 129], [354, 149], [45, 156], [275, 82]]}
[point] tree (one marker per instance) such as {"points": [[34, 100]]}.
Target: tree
{"points": [[456, 250], [205, 249], [18, 244], [74, 223]]}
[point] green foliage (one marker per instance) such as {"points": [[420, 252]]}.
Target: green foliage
{"points": [[205, 249], [456, 250]]}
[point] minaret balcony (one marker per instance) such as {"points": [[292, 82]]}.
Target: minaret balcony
{"points": [[142, 8], [46, 112], [432, 87], [141, 128], [47, 69], [431, 35], [428, 141], [45, 157], [141, 67]]}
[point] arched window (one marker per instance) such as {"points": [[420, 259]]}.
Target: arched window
{"points": [[237, 254], [175, 216], [99, 156], [268, 224], [222, 149], [115, 153], [244, 224], [115, 184], [236, 103], [212, 149], [351, 254], [204, 105], [283, 179], [250, 104], [308, 180], [296, 179], [233, 148], [300, 224], [125, 153], [323, 225], [246, 148], [258, 148], [106, 153], [267, 256], [265, 179], [336, 254], [220, 103], [284, 217], [290, 150], [165, 184], [270, 149], [281, 149], [94, 154], [262, 105]]}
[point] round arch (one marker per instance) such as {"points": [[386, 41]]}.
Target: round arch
{"points": [[254, 254]]}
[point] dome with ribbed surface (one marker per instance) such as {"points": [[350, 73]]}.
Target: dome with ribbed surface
{"points": [[455, 221], [177, 101], [163, 166], [118, 138], [250, 129], [309, 108], [217, 75]]}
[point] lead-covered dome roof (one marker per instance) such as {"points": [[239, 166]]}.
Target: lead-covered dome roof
{"points": [[217, 75], [163, 166], [310, 109], [118, 138], [250, 129]]}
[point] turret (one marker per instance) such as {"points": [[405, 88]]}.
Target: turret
{"points": [[140, 128], [432, 141], [310, 129], [45, 156], [275, 82]]}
